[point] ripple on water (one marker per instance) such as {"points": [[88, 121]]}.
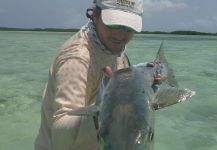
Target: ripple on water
{"points": [[201, 141]]}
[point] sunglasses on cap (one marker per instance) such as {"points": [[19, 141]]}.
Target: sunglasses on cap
{"points": [[118, 27]]}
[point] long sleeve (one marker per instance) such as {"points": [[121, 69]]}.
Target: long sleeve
{"points": [[71, 86], [72, 92]]}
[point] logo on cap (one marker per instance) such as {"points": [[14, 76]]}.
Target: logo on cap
{"points": [[126, 3]]}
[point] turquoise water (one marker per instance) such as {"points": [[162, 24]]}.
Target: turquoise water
{"points": [[26, 56]]}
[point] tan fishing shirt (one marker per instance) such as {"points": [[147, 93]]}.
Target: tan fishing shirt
{"points": [[73, 82]]}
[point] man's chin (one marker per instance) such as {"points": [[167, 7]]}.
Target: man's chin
{"points": [[117, 51]]}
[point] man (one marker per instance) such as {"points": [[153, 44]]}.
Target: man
{"points": [[77, 71]]}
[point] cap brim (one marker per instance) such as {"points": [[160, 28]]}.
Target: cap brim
{"points": [[118, 17]]}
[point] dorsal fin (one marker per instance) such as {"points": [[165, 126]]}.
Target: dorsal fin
{"points": [[170, 79]]}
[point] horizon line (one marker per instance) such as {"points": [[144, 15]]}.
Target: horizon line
{"points": [[188, 32]]}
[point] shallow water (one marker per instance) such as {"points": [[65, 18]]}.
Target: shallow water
{"points": [[25, 58]]}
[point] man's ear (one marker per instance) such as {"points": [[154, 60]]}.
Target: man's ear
{"points": [[94, 18], [95, 15]]}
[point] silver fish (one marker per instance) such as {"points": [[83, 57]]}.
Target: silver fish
{"points": [[125, 107]]}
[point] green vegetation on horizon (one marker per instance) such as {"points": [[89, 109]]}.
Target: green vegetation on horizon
{"points": [[180, 32], [38, 29], [75, 30]]}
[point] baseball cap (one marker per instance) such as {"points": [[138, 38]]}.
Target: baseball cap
{"points": [[122, 12]]}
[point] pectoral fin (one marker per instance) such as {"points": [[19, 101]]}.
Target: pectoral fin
{"points": [[171, 95], [91, 110]]}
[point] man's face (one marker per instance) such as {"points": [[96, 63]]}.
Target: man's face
{"points": [[113, 39]]}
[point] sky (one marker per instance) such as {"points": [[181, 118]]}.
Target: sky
{"points": [[159, 15]]}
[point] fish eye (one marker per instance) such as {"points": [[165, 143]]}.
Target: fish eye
{"points": [[150, 136], [141, 137]]}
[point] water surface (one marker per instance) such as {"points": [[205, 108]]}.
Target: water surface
{"points": [[25, 58]]}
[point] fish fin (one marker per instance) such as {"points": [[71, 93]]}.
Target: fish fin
{"points": [[91, 110], [171, 95], [170, 77]]}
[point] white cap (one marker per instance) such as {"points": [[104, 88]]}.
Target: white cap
{"points": [[122, 12]]}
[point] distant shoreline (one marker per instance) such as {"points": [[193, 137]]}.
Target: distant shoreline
{"points": [[180, 32]]}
